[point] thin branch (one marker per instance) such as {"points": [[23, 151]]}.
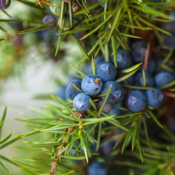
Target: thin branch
{"points": [[55, 163]]}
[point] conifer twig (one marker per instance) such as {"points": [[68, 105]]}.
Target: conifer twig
{"points": [[55, 163]]}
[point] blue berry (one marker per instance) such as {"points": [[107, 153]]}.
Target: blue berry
{"points": [[170, 26], [155, 97], [107, 107], [72, 77], [49, 18], [163, 78], [129, 80], [138, 50], [71, 91], [169, 41], [91, 85], [117, 92], [116, 111], [123, 59], [170, 123], [136, 101], [4, 4], [116, 42], [138, 80], [106, 71], [97, 168], [151, 67], [62, 93], [81, 102], [158, 63], [107, 147], [97, 61]]}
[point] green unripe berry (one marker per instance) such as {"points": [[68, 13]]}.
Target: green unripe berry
{"points": [[67, 24], [57, 9]]}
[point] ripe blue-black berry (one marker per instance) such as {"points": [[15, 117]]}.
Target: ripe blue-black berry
{"points": [[169, 41], [123, 59], [151, 67], [136, 101], [129, 80], [97, 61], [155, 97], [49, 18], [158, 64], [106, 71], [4, 4], [71, 91], [107, 147], [170, 123], [62, 93], [138, 50], [91, 85], [107, 107], [116, 111], [97, 168], [81, 102], [138, 80], [170, 26], [163, 78], [117, 93]]}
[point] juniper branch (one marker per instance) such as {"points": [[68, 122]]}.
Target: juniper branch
{"points": [[55, 163]]}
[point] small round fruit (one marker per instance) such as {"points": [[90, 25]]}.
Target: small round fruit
{"points": [[97, 168], [56, 10], [136, 101], [91, 85], [81, 102], [158, 65], [116, 111], [138, 80], [97, 61], [155, 97], [138, 50], [169, 42], [49, 18], [123, 59], [107, 107], [163, 78], [66, 25], [62, 93], [71, 91], [170, 26], [107, 148], [4, 4], [106, 71], [129, 80], [151, 67], [117, 93]]}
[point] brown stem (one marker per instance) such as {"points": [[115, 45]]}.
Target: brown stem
{"points": [[55, 163], [169, 94], [145, 64]]}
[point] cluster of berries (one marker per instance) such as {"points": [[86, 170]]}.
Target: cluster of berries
{"points": [[56, 11], [97, 85]]}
